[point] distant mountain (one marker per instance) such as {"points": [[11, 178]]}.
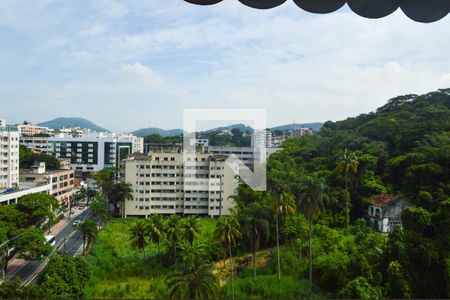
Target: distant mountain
{"points": [[240, 126], [153, 130], [72, 122], [314, 126]]}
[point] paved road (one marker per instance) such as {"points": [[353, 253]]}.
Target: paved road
{"points": [[68, 240]]}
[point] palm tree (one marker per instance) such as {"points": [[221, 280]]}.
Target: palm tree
{"points": [[155, 229], [312, 198], [89, 230], [284, 205], [173, 234], [193, 279], [256, 228], [190, 229], [138, 234], [99, 208], [121, 191], [90, 193], [347, 162], [228, 231]]}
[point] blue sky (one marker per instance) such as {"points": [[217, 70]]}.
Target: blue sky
{"points": [[131, 64]]}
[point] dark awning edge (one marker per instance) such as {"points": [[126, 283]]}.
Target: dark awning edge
{"points": [[424, 11]]}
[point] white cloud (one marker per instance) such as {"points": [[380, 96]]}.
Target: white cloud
{"points": [[138, 73]]}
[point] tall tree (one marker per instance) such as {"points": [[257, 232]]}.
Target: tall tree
{"points": [[120, 192], [138, 236], [312, 196], [190, 229], [283, 205], [89, 230], [173, 234], [346, 163], [256, 228], [155, 229], [227, 232], [99, 209]]}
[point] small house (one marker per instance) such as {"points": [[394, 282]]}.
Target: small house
{"points": [[386, 212]]}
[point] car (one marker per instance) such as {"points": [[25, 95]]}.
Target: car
{"points": [[75, 223], [81, 207], [50, 239]]}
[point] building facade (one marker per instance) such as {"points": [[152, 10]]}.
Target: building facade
{"points": [[166, 183], [62, 181], [28, 129], [9, 157], [91, 152], [385, 212], [261, 138], [35, 144]]}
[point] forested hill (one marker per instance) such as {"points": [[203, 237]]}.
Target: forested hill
{"points": [[402, 122], [404, 149]]}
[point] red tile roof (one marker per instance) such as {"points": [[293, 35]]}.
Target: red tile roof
{"points": [[383, 199]]}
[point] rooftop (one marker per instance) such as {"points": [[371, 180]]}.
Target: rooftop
{"points": [[383, 199]]}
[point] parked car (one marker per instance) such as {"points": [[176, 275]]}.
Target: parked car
{"points": [[75, 223]]}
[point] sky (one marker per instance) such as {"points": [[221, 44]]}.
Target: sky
{"points": [[131, 64]]}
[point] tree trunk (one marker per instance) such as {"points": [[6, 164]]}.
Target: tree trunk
{"points": [[231, 270], [346, 199], [278, 247], [310, 252]]}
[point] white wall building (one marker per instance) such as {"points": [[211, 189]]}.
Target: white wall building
{"points": [[261, 138], [91, 152], [28, 129], [35, 144], [9, 157], [163, 183]]}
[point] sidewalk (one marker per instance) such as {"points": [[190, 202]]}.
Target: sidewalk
{"points": [[15, 263]]}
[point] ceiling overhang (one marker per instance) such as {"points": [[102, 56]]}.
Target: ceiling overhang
{"points": [[425, 11]]}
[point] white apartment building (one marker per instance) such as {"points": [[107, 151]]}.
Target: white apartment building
{"points": [[28, 129], [91, 152], [163, 183], [261, 138], [9, 157], [35, 144], [138, 142]]}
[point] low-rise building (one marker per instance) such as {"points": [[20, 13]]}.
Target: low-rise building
{"points": [[29, 129], [385, 212], [35, 143], [62, 181], [170, 183]]}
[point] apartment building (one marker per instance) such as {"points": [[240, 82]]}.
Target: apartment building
{"points": [[9, 156], [35, 144], [28, 129], [62, 181], [91, 152], [261, 138], [166, 183]]}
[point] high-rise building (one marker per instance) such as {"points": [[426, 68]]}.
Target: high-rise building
{"points": [[261, 138], [170, 183], [93, 151], [9, 156]]}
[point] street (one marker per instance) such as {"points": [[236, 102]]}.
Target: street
{"points": [[68, 241]]}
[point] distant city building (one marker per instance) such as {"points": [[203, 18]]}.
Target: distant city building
{"points": [[9, 156], [261, 138], [94, 151], [385, 212], [35, 144], [74, 131], [301, 132], [28, 129], [165, 184]]}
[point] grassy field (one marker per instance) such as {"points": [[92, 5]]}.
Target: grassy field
{"points": [[119, 271]]}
